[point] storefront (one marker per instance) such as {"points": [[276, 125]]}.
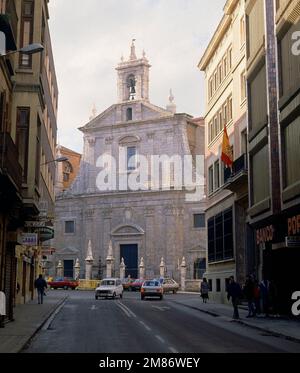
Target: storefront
{"points": [[279, 243]]}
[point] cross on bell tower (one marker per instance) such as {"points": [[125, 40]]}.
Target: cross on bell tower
{"points": [[133, 77]]}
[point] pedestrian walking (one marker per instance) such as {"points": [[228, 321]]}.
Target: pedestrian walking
{"points": [[257, 298], [204, 290], [248, 291], [234, 292], [40, 284], [265, 296]]}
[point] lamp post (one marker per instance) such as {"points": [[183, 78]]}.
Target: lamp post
{"points": [[28, 49], [58, 160]]}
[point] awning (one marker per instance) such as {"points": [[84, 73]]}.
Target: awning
{"points": [[6, 28]]}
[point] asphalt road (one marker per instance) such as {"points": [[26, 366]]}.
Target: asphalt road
{"points": [[84, 325]]}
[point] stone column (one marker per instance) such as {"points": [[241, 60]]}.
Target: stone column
{"points": [[142, 269], [162, 268], [109, 261], [122, 269], [183, 274], [89, 262], [59, 269], [77, 270]]}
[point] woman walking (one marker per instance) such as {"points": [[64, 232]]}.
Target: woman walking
{"points": [[204, 290]]}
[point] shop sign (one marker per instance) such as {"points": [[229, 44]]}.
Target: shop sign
{"points": [[294, 225], [35, 224], [265, 234], [293, 241], [29, 239]]}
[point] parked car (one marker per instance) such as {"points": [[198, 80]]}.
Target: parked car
{"points": [[109, 288], [170, 285], [137, 284], [152, 288], [63, 283], [127, 282]]}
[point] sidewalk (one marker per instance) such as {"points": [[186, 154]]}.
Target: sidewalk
{"points": [[281, 327], [29, 318]]}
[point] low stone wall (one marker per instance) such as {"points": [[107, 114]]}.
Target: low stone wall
{"points": [[193, 285], [88, 284]]}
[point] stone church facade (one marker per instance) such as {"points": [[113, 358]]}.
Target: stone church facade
{"points": [[152, 223]]}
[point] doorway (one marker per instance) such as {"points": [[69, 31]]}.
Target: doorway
{"points": [[69, 268], [130, 255]]}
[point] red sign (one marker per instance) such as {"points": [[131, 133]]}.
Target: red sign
{"points": [[265, 234]]}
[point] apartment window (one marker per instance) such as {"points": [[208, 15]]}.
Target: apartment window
{"points": [[210, 88], [216, 128], [38, 154], [216, 80], [69, 226], [225, 114], [244, 142], [291, 136], [242, 31], [220, 73], [2, 111], [129, 114], [230, 58], [217, 175], [131, 158], [218, 285], [211, 179], [260, 175], [26, 31], [243, 86], [220, 236], [67, 170], [255, 28], [210, 284], [220, 121], [210, 131], [199, 220], [22, 138], [258, 100], [225, 66], [230, 109]]}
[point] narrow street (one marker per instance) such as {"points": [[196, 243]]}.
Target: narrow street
{"points": [[84, 325]]}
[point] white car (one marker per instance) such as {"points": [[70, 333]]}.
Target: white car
{"points": [[109, 288]]}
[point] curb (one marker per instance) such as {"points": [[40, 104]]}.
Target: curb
{"points": [[25, 345], [261, 329]]}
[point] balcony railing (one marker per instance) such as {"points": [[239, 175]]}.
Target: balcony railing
{"points": [[9, 162], [237, 175]]}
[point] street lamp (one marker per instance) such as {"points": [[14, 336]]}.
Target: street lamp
{"points": [[28, 49], [59, 160]]}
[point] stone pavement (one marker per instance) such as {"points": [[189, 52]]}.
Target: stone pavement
{"points": [[29, 319], [278, 326]]}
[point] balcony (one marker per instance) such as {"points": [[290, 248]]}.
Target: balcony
{"points": [[237, 177], [9, 24], [9, 163]]}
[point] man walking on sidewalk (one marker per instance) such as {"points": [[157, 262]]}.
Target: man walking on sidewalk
{"points": [[40, 284], [234, 292]]}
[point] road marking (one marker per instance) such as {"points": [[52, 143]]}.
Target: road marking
{"points": [[124, 310], [127, 309], [93, 308], [172, 349], [162, 308], [145, 326], [52, 317], [160, 338]]}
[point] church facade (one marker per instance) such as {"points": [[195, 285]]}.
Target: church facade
{"points": [[114, 200]]}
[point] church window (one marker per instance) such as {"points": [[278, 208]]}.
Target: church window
{"points": [[199, 268], [199, 220], [70, 226], [131, 158], [129, 114], [131, 85]]}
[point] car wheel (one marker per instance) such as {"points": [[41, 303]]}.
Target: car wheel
{"points": [[96, 297], [114, 296], [142, 297], [174, 291], [121, 295], [161, 297], [65, 288]]}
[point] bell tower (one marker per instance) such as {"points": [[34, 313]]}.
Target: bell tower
{"points": [[133, 77]]}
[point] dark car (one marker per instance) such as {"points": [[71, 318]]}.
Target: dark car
{"points": [[63, 283]]}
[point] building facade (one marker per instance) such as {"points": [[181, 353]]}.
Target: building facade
{"points": [[228, 234], [28, 112], [273, 71], [152, 221]]}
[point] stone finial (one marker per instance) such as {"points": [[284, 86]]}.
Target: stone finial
{"points": [[89, 257], [162, 262], [183, 263], [171, 107], [142, 264], [122, 58], [77, 264], [94, 112], [144, 54], [59, 264], [110, 251], [132, 53]]}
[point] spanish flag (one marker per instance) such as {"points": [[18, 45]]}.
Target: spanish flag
{"points": [[227, 156]]}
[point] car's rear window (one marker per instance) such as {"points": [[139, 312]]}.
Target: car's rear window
{"points": [[151, 283], [108, 283]]}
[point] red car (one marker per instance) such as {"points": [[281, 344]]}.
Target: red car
{"points": [[137, 284], [63, 283]]}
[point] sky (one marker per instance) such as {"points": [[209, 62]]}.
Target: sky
{"points": [[89, 37]]}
